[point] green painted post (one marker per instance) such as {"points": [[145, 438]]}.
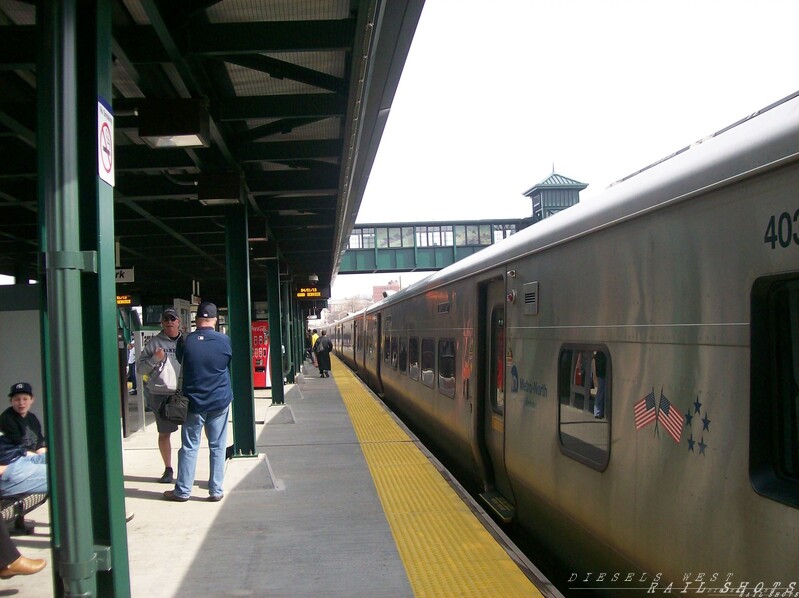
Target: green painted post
{"points": [[100, 344], [286, 321], [275, 330], [57, 137], [240, 330]]}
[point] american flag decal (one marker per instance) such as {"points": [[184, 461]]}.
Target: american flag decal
{"points": [[645, 412], [672, 418]]}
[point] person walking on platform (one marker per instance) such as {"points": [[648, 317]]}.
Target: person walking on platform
{"points": [[322, 348], [159, 363], [206, 383], [314, 338], [12, 562]]}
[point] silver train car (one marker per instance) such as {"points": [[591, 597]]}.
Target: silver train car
{"points": [[622, 378]]}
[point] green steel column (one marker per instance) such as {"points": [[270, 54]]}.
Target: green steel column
{"points": [[101, 351], [239, 328], [275, 330], [57, 137], [286, 320], [299, 332]]}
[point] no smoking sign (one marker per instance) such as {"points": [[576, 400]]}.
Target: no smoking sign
{"points": [[105, 142]]}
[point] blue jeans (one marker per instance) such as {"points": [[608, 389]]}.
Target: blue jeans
{"points": [[215, 426], [26, 474], [599, 402]]}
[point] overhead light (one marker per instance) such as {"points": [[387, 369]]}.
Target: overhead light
{"points": [[174, 123], [219, 188]]}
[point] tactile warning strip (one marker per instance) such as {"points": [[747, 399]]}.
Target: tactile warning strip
{"points": [[445, 549]]}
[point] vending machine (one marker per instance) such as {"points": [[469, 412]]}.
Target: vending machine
{"points": [[261, 374]]}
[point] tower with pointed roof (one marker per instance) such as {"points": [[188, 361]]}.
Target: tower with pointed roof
{"points": [[553, 194]]}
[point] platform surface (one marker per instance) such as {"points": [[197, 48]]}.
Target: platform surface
{"points": [[340, 502]]}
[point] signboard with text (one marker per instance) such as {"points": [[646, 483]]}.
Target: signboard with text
{"points": [[312, 293]]}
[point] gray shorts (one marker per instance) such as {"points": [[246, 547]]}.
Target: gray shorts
{"points": [[154, 403]]}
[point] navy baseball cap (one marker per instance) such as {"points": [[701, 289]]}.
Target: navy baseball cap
{"points": [[206, 310], [21, 387], [170, 311]]}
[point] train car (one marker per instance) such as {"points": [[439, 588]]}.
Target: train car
{"points": [[622, 378]]}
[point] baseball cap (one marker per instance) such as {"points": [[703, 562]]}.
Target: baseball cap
{"points": [[20, 387], [170, 311], [206, 310]]}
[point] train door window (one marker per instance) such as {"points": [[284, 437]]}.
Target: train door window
{"points": [[386, 348], [403, 354], [394, 341], [428, 361], [446, 367], [584, 393], [774, 387], [497, 388], [413, 357]]}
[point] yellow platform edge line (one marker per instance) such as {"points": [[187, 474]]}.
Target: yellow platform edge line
{"points": [[444, 548]]}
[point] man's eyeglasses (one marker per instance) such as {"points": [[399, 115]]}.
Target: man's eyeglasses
{"points": [[169, 318]]}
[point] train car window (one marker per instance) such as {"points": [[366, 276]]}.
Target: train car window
{"points": [[403, 354], [774, 388], [394, 341], [497, 373], [446, 367], [584, 396], [413, 357], [428, 361]]}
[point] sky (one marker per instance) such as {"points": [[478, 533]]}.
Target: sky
{"points": [[495, 94]]}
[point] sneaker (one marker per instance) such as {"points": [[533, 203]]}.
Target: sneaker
{"points": [[215, 497], [167, 478], [170, 495]]}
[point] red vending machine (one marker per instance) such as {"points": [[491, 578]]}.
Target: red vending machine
{"points": [[261, 374]]}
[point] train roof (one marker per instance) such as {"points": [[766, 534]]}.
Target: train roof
{"points": [[765, 138]]}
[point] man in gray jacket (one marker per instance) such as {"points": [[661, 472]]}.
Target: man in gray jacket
{"points": [[158, 364]]}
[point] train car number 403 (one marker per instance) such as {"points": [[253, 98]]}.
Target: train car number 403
{"points": [[782, 229]]}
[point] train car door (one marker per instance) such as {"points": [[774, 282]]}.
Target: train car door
{"points": [[493, 396]]}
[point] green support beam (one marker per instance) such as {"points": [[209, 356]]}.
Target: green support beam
{"points": [[57, 140], [101, 350], [285, 287], [275, 330], [239, 327]]}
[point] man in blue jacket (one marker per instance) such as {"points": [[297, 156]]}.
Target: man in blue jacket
{"points": [[206, 383]]}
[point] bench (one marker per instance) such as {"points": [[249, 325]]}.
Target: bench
{"points": [[14, 509]]}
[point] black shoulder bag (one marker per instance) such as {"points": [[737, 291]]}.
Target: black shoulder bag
{"points": [[175, 407]]}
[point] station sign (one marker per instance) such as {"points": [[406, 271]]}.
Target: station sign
{"points": [[124, 275]]}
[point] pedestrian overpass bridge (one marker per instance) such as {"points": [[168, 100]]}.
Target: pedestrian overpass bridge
{"points": [[420, 246]]}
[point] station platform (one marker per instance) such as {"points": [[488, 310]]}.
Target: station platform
{"points": [[342, 501]]}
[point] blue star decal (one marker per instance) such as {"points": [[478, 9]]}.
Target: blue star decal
{"points": [[688, 418], [706, 422], [697, 405], [702, 446], [691, 443]]}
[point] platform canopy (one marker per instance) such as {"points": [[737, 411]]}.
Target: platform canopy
{"points": [[289, 99]]}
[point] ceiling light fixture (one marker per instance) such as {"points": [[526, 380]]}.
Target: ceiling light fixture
{"points": [[174, 123]]}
